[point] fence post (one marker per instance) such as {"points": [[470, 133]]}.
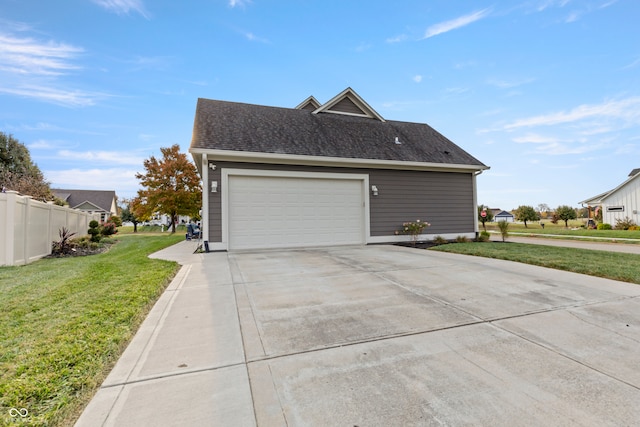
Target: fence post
{"points": [[27, 228], [9, 227]]}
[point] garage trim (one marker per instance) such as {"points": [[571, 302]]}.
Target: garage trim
{"points": [[227, 173]]}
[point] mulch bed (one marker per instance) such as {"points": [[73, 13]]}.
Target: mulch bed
{"points": [[81, 251], [417, 245]]}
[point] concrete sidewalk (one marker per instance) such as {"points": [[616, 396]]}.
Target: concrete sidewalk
{"points": [[377, 335]]}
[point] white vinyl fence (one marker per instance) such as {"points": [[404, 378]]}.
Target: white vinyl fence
{"points": [[28, 227]]}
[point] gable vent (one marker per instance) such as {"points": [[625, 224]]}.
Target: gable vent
{"points": [[347, 106], [349, 103]]}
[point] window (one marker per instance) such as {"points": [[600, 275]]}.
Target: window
{"points": [[615, 208]]}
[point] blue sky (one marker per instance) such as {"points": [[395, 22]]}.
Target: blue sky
{"points": [[545, 92]]}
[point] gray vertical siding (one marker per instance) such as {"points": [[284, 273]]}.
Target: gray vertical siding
{"points": [[215, 205], [444, 199]]}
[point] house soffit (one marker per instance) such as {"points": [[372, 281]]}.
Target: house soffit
{"points": [[289, 159], [358, 106]]}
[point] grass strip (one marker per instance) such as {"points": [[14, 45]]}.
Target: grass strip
{"points": [[611, 265], [64, 322], [573, 230]]}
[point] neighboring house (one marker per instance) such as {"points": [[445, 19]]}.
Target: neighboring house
{"points": [[620, 203], [326, 174], [503, 216], [91, 201]]}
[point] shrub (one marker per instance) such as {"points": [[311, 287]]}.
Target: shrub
{"points": [[604, 226], [483, 236], [504, 229], [462, 239], [64, 245], [116, 220], [94, 231], [108, 229], [634, 228], [439, 240], [414, 229], [625, 224]]}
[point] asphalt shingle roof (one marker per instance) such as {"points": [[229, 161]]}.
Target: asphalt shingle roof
{"points": [[222, 125], [100, 198]]}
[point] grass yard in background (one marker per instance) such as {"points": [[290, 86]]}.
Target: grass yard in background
{"points": [[64, 322], [610, 265], [574, 230]]}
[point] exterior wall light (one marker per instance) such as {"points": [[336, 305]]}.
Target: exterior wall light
{"points": [[374, 190], [214, 186]]}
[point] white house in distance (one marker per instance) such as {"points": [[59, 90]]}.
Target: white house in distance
{"points": [[621, 202], [500, 215]]}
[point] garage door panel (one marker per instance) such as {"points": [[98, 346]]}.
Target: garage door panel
{"points": [[266, 212]]}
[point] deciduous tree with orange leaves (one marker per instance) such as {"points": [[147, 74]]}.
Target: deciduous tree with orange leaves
{"points": [[171, 186]]}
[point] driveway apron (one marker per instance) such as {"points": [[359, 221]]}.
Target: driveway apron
{"points": [[377, 336]]}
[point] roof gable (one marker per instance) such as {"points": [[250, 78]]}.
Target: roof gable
{"points": [[310, 104], [87, 206], [601, 197], [257, 133], [348, 102], [103, 200]]}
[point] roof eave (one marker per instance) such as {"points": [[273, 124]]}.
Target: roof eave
{"points": [[254, 157], [601, 197]]}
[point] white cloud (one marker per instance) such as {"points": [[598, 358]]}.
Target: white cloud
{"points": [[535, 139], [240, 3], [26, 56], [123, 6], [627, 110], [508, 84], [417, 78], [551, 145], [41, 144], [456, 90], [252, 37], [456, 23], [552, 3], [32, 68], [109, 157], [397, 39], [63, 97], [123, 181], [632, 64], [628, 149]]}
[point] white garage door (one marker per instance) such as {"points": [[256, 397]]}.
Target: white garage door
{"points": [[279, 212]]}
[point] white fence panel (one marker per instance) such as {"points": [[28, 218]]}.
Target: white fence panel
{"points": [[28, 227]]}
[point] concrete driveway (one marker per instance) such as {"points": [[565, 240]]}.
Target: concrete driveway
{"points": [[377, 336]]}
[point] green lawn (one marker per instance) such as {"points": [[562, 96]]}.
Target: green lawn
{"points": [[573, 230], [64, 322], [611, 265]]}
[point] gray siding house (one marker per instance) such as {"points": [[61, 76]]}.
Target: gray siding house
{"points": [[91, 201], [326, 174]]}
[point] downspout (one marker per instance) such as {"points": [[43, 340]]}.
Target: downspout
{"points": [[205, 200], [475, 201]]}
